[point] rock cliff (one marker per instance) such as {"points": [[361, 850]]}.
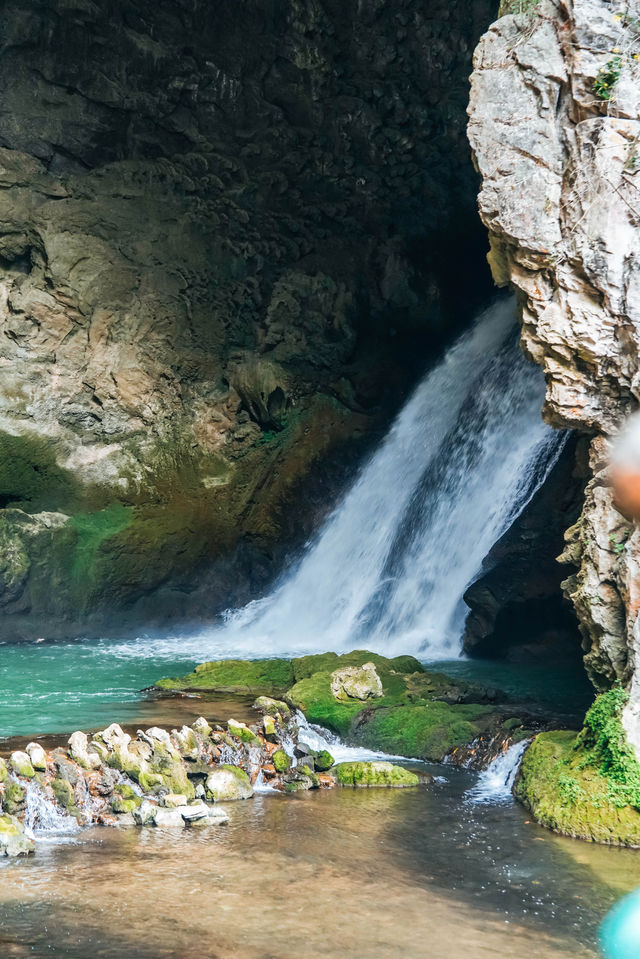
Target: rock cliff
{"points": [[555, 130], [226, 237]]}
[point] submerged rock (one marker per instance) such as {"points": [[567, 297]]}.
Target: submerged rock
{"points": [[374, 774]]}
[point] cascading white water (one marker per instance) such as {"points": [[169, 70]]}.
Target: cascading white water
{"points": [[43, 816], [389, 569], [495, 783]]}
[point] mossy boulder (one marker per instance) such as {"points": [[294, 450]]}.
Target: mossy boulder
{"points": [[4, 772], [271, 707], [374, 774], [228, 783], [253, 677], [419, 715], [21, 765], [125, 799], [242, 732], [404, 708], [586, 784], [63, 791], [281, 761], [13, 841], [323, 760], [14, 797]]}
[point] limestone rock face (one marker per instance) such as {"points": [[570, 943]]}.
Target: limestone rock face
{"points": [[221, 243], [558, 151]]}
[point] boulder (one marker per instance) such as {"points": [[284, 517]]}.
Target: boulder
{"points": [[324, 760], [228, 783], [356, 682], [173, 800], [202, 727], [242, 732], [281, 761], [21, 764], [80, 752], [13, 840], [37, 756]]}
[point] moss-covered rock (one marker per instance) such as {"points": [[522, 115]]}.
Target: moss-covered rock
{"points": [[242, 732], [4, 772], [21, 765], [281, 761], [586, 784], [414, 712], [374, 774], [13, 841], [323, 760], [271, 707], [228, 783], [419, 714], [14, 797], [253, 677]]}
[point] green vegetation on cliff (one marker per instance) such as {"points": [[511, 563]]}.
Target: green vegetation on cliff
{"points": [[586, 784]]}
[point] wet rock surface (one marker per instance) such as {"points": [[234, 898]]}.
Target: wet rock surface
{"points": [[554, 126], [226, 242], [416, 713], [168, 779]]}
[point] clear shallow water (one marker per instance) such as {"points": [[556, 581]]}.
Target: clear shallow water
{"points": [[375, 874], [59, 687]]}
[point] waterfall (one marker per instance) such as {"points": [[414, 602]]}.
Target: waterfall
{"points": [[389, 568], [495, 783], [459, 464]]}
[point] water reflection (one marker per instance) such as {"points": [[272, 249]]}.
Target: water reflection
{"points": [[374, 874]]}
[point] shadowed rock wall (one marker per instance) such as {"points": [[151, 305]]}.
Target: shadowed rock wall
{"points": [[231, 234]]}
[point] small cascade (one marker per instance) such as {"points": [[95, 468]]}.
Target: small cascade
{"points": [[319, 738], [230, 756], [495, 783], [43, 816]]}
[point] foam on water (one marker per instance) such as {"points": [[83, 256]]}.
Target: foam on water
{"points": [[495, 783]]}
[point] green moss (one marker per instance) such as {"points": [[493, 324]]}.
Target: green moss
{"points": [[306, 666], [569, 797], [4, 772], [14, 797], [281, 761], [9, 826], [323, 760], [406, 720], [271, 707], [254, 677], [63, 791], [374, 774], [150, 781], [92, 531], [420, 714], [586, 784], [243, 733], [430, 731], [121, 806]]}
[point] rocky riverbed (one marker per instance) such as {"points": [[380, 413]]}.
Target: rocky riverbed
{"points": [[168, 779]]}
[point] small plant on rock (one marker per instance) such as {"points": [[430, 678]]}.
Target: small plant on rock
{"points": [[607, 78]]}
